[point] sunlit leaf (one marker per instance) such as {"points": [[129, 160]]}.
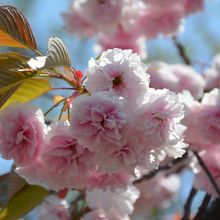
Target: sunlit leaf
{"points": [[9, 74], [14, 29], [23, 202], [29, 90], [18, 85], [57, 54]]}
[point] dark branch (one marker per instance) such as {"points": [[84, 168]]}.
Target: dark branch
{"points": [[161, 168], [181, 51], [188, 204], [208, 173], [202, 209]]}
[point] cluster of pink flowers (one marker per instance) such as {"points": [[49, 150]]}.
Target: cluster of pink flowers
{"points": [[121, 125], [203, 133], [158, 197], [124, 23], [177, 78]]}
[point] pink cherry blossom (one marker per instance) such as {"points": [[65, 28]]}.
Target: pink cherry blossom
{"points": [[155, 20], [33, 173], [120, 71], [128, 154], [99, 214], [157, 197], [66, 163], [193, 6], [102, 14], [177, 78], [74, 22], [22, 131], [63, 155], [120, 203], [157, 123], [106, 181], [124, 40], [209, 117], [192, 109], [54, 209], [97, 120]]}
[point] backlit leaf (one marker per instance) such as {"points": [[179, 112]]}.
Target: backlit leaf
{"points": [[29, 90], [23, 202], [57, 54], [15, 30], [18, 85]]}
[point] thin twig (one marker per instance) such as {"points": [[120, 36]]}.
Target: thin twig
{"points": [[208, 173], [202, 209], [188, 204], [68, 113], [61, 111], [54, 106], [161, 168], [63, 88], [181, 51]]}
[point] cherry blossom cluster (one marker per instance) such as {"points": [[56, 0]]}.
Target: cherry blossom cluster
{"points": [[116, 130], [126, 24], [203, 134]]}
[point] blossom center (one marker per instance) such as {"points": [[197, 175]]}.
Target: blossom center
{"points": [[117, 81]]}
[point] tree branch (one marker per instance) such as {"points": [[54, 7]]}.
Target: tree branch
{"points": [[188, 204], [161, 168], [202, 209], [181, 51]]}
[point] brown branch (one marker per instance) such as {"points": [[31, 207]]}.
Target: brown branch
{"points": [[202, 209], [208, 173], [161, 168], [181, 51], [188, 204]]}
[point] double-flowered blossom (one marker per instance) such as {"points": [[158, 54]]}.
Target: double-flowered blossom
{"points": [[22, 131], [157, 123], [97, 120], [120, 71], [112, 205], [202, 120], [177, 78], [157, 197]]}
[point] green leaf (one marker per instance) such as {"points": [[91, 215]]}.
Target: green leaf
{"points": [[57, 54], [29, 90], [23, 202], [10, 76], [15, 30], [17, 85]]}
